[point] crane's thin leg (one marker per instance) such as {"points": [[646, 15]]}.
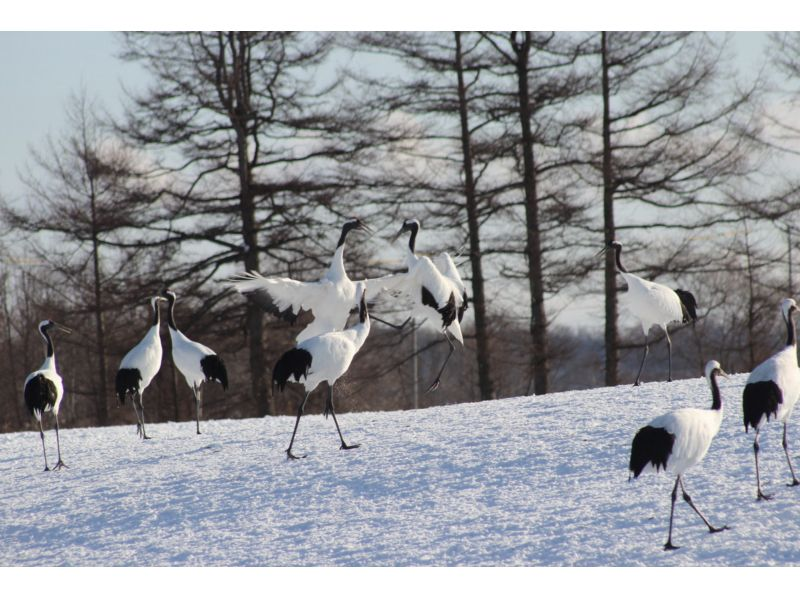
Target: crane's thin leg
{"points": [[435, 384], [795, 481], [197, 399], [329, 410], [688, 499], [138, 398], [60, 463], [761, 495], [669, 353], [669, 545], [395, 326], [644, 357], [44, 450], [138, 417], [289, 454]]}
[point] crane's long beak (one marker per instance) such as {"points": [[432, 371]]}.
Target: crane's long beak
{"points": [[63, 328], [601, 252], [723, 373], [399, 233]]}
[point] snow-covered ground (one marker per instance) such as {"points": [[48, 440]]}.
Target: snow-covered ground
{"points": [[521, 481]]}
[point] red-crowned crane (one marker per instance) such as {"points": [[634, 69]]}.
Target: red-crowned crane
{"points": [[438, 294], [323, 358], [772, 389], [654, 304], [139, 366], [196, 362], [330, 298], [44, 388], [678, 440]]}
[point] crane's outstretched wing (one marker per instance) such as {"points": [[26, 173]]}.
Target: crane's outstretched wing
{"points": [[282, 297]]}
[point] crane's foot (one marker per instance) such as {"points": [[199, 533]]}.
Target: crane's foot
{"points": [[291, 455], [637, 383], [714, 530], [670, 546], [433, 386], [795, 482], [762, 496], [60, 464], [46, 468], [347, 447]]}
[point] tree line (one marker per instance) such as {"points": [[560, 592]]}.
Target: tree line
{"points": [[522, 153]]}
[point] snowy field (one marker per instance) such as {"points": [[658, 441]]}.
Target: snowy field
{"points": [[523, 481]]}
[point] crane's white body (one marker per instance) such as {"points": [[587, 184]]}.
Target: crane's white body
{"points": [[48, 370], [694, 429], [782, 369], [332, 353], [187, 355], [145, 357], [651, 303]]}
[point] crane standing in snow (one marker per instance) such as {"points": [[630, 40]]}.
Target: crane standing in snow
{"points": [[44, 388], [438, 293], [330, 298], [139, 366], [772, 390], [678, 440], [196, 362], [323, 358], [654, 304]]}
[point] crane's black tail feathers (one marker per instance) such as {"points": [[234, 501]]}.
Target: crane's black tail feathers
{"points": [[127, 382], [688, 305], [295, 362], [448, 310], [758, 400], [40, 394], [214, 369], [650, 445]]}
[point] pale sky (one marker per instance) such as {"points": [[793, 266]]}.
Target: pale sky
{"points": [[48, 67]]}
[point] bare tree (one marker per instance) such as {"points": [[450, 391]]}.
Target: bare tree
{"points": [[253, 144]]}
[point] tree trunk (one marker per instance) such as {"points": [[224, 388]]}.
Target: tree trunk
{"points": [[533, 249], [102, 399], [611, 338], [485, 382]]}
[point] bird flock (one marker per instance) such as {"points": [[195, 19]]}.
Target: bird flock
{"points": [[325, 349]]}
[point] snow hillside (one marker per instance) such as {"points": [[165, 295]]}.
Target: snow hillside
{"points": [[523, 481]]}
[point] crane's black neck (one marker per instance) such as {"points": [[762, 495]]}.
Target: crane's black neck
{"points": [[156, 314], [348, 226], [50, 348], [362, 309], [617, 253], [716, 397], [412, 240], [171, 312], [791, 334]]}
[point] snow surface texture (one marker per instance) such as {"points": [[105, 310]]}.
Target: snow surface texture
{"points": [[524, 481]]}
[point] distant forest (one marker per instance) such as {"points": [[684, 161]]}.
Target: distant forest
{"points": [[521, 153]]}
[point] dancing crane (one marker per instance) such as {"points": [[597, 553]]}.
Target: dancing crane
{"points": [[330, 298], [678, 440], [196, 362], [44, 388], [323, 358], [772, 390], [139, 366], [438, 294], [654, 304]]}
